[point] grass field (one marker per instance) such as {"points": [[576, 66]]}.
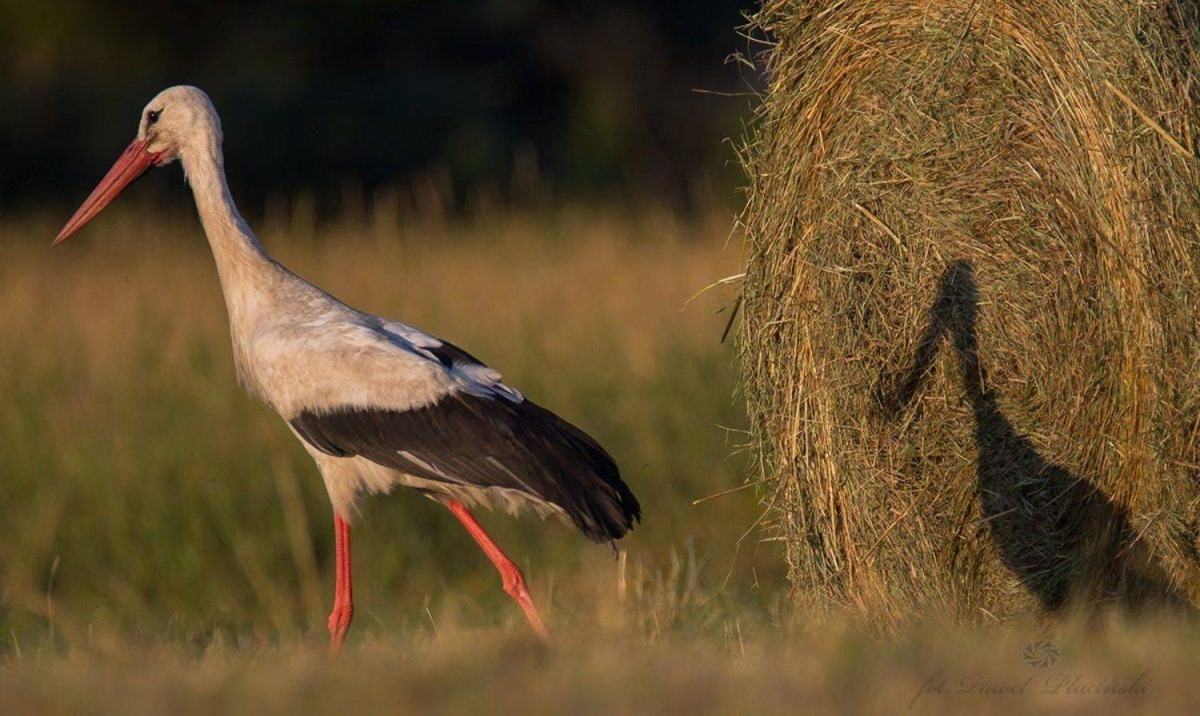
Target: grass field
{"points": [[165, 545]]}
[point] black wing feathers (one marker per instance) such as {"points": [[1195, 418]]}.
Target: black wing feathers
{"points": [[450, 355], [485, 442]]}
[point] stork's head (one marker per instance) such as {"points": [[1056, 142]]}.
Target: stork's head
{"points": [[179, 121]]}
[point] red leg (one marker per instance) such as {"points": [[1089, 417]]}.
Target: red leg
{"points": [[514, 583], [343, 599]]}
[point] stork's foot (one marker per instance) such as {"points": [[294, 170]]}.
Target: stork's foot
{"points": [[510, 575], [514, 586], [339, 626]]}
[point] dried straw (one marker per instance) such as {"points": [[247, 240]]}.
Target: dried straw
{"points": [[970, 345]]}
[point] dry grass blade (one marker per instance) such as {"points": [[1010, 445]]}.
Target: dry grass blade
{"points": [[1150, 121]]}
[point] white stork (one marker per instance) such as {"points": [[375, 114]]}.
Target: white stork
{"points": [[375, 402]]}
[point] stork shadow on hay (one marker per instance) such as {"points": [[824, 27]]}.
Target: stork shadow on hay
{"points": [[1066, 542]]}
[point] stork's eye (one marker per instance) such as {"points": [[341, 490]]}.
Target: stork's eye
{"points": [[152, 116]]}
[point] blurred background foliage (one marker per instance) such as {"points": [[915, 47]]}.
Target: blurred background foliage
{"points": [[608, 99]]}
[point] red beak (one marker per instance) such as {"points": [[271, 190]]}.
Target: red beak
{"points": [[129, 166]]}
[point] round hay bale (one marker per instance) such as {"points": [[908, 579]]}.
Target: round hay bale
{"points": [[970, 345]]}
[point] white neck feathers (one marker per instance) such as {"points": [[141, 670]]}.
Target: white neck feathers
{"points": [[231, 239], [250, 280]]}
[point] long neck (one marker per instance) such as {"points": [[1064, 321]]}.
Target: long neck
{"points": [[245, 270], [250, 280], [233, 242]]}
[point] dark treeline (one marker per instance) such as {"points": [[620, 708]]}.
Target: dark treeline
{"points": [[597, 95]]}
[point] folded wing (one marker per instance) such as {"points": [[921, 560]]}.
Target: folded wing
{"points": [[481, 434]]}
